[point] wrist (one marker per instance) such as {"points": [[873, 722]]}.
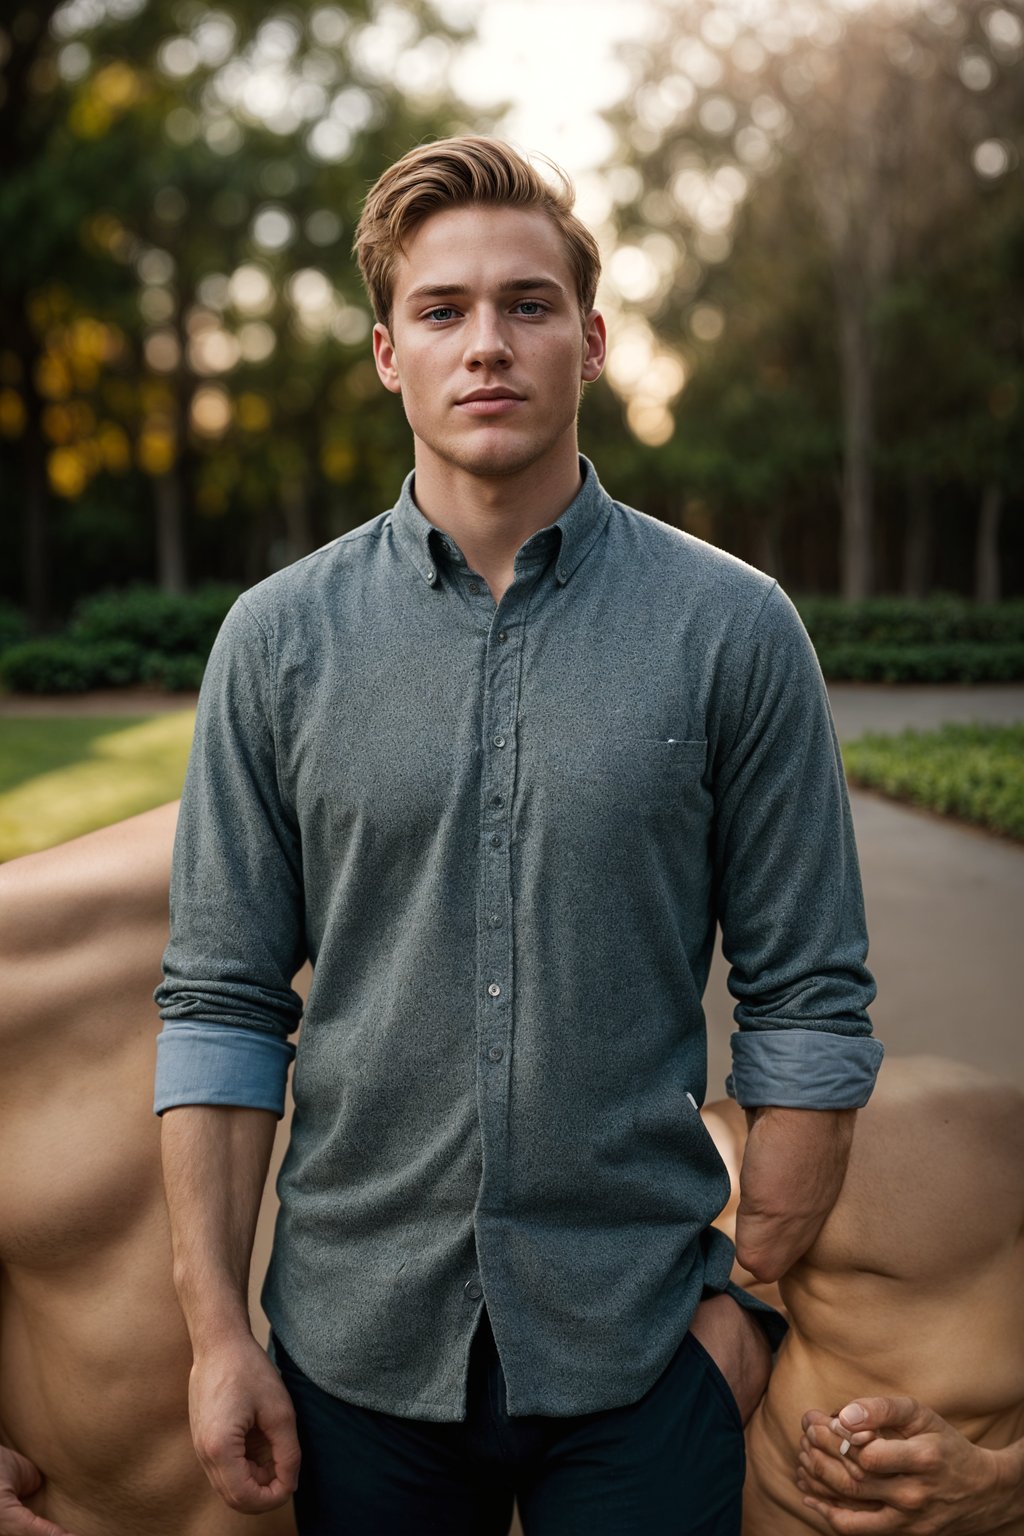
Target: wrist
{"points": [[1006, 1473]]}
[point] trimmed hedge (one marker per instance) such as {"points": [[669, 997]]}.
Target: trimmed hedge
{"points": [[120, 638], [963, 661], [975, 772], [940, 620], [168, 624], [13, 628]]}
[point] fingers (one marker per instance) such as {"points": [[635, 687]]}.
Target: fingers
{"points": [[16, 1520], [903, 1414], [848, 1521]]}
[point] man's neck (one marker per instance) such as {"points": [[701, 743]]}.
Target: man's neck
{"points": [[491, 517]]}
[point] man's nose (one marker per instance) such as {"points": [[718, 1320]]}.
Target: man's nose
{"points": [[487, 342]]}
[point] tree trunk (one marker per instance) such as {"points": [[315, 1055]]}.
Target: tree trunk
{"points": [[917, 549], [298, 532], [987, 583], [170, 541], [769, 547], [856, 550], [36, 548]]}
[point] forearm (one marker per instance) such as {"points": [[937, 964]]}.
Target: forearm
{"points": [[793, 1168], [215, 1161]]}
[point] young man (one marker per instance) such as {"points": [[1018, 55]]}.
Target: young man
{"points": [[94, 1357], [496, 762]]}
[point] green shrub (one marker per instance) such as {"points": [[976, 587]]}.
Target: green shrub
{"points": [[963, 661], [13, 628], [170, 625], [975, 772], [177, 674], [60, 665], [940, 620]]}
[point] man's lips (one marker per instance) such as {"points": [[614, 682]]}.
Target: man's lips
{"points": [[489, 402]]}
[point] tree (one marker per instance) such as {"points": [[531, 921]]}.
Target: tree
{"points": [[874, 122], [179, 196]]}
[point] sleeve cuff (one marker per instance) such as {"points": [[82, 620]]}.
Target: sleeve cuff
{"points": [[200, 1063], [802, 1069]]}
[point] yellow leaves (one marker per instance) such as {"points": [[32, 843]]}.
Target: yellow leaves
{"points": [[155, 449], [68, 472], [53, 377], [12, 413], [338, 460], [252, 412], [113, 90], [114, 448]]}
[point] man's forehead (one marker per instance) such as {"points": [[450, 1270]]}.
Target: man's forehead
{"points": [[503, 248]]}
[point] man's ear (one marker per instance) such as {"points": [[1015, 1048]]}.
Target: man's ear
{"points": [[385, 359], [595, 347]]}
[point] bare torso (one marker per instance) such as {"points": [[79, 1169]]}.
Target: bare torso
{"points": [[94, 1358], [915, 1284]]}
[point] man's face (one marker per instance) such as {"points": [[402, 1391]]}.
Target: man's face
{"points": [[487, 346]]}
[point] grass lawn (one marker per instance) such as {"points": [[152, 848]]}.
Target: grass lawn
{"points": [[974, 772], [60, 777]]}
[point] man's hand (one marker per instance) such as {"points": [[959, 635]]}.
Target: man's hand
{"points": [[739, 1347], [243, 1427], [890, 1465], [19, 1479], [793, 1169]]}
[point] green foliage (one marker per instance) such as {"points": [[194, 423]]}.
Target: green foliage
{"points": [[972, 771], [963, 661], [892, 621], [175, 674], [13, 629], [62, 665], [897, 640], [170, 624]]}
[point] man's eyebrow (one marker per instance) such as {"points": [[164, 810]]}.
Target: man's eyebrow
{"points": [[510, 285]]}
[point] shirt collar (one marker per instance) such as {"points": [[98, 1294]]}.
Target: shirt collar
{"points": [[576, 530]]}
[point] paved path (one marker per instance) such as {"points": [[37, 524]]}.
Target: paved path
{"points": [[944, 903]]}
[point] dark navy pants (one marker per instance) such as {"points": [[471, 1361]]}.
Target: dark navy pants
{"points": [[671, 1464]]}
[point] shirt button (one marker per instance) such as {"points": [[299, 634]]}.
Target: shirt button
{"points": [[495, 1053], [499, 741], [503, 635], [495, 919], [495, 840], [474, 587], [494, 990], [429, 573], [497, 799], [473, 1289]]}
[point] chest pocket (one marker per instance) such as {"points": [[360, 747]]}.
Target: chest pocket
{"points": [[611, 789]]}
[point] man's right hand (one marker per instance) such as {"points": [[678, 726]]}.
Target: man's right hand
{"points": [[243, 1427], [19, 1479]]}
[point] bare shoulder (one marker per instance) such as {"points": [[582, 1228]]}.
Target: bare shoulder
{"points": [[68, 890]]}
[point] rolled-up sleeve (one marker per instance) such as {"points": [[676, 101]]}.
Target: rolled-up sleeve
{"points": [[788, 887], [237, 920]]}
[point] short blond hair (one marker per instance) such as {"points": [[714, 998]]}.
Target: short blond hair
{"points": [[453, 173]]}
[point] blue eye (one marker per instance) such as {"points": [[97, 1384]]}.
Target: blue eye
{"points": [[441, 313], [533, 306]]}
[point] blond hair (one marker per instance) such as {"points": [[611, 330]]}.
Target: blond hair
{"points": [[453, 173]]}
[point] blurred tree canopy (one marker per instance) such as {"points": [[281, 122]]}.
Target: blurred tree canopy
{"points": [[821, 237], [184, 367]]}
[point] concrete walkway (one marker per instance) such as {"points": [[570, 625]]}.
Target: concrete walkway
{"points": [[944, 903]]}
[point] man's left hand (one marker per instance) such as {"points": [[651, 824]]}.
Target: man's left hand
{"points": [[793, 1169]]}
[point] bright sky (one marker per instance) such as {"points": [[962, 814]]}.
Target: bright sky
{"points": [[556, 61]]}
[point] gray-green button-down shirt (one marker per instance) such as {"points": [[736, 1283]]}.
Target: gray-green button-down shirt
{"points": [[503, 836]]}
